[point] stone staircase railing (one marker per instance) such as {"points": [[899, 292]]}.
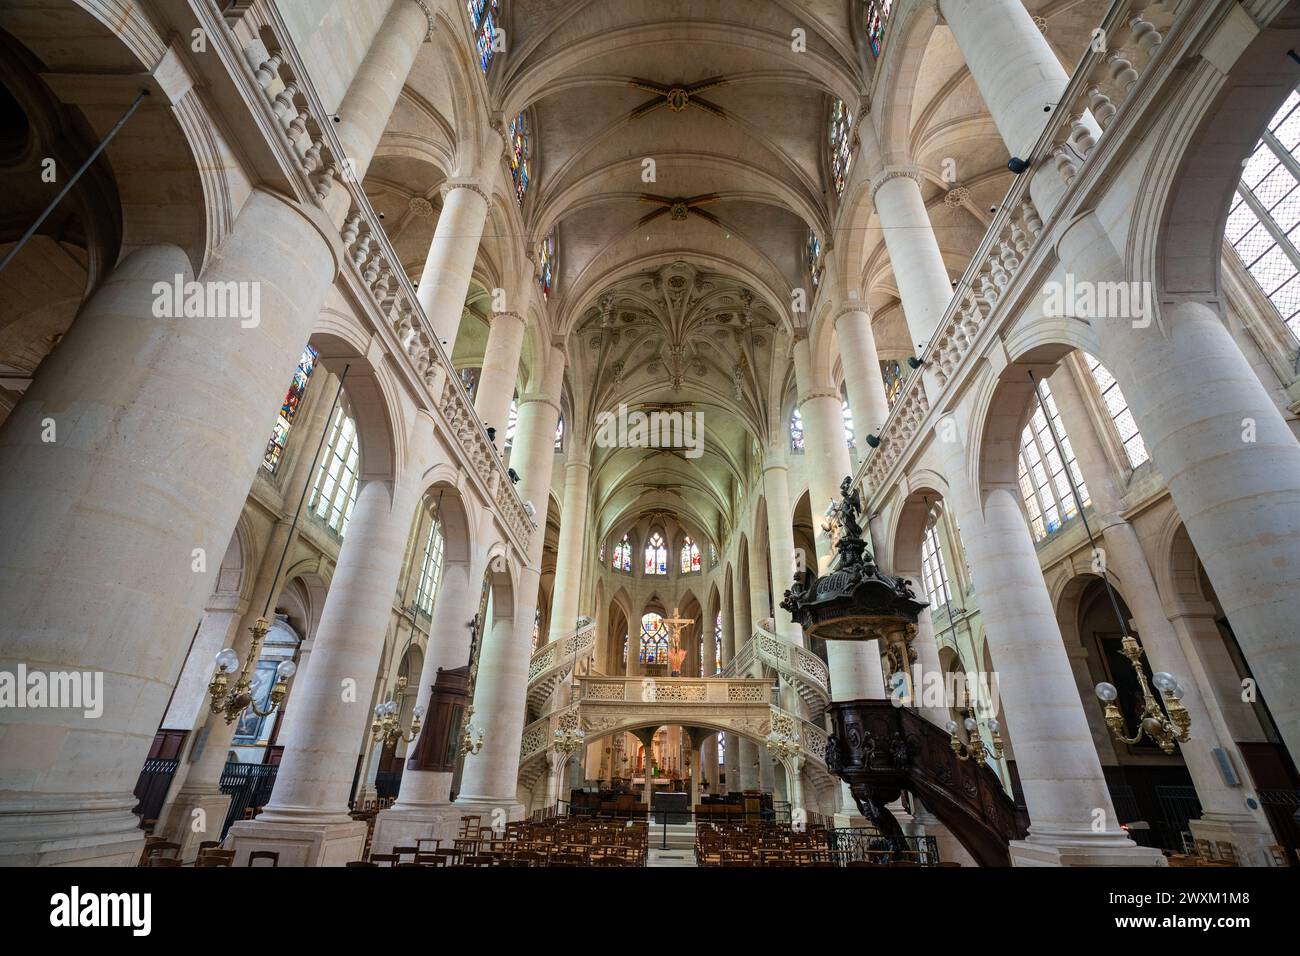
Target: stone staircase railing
{"points": [[301, 129], [812, 738], [1102, 86], [799, 667], [556, 660], [538, 737]]}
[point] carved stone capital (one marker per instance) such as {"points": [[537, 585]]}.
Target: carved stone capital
{"points": [[890, 173], [852, 306], [428, 16], [493, 316], [470, 184], [818, 393]]}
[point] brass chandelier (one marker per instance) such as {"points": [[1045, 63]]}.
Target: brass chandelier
{"points": [[387, 725]]}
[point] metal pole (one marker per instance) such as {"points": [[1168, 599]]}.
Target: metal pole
{"points": [[1078, 504], [31, 231]]}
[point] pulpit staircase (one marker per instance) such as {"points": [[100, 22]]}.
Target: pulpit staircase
{"points": [[879, 750]]}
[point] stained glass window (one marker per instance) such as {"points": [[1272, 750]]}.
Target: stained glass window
{"points": [[814, 257], [722, 750], [469, 378], [656, 555], [335, 492], [537, 628], [485, 19], [841, 144], [713, 555], [877, 19], [1117, 406], [796, 431], [717, 645], [846, 413], [1264, 222], [892, 373], [430, 568], [559, 434], [690, 556], [654, 639], [934, 572], [520, 152], [623, 556], [546, 265], [512, 421], [288, 410], [1043, 481]]}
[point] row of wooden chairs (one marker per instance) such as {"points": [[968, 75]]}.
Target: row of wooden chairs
{"points": [[160, 852]]}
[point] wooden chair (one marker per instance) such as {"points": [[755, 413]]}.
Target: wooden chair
{"points": [[363, 863], [215, 858], [384, 859], [264, 855], [1226, 852], [160, 848], [164, 861], [404, 851]]}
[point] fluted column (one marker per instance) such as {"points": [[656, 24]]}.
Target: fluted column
{"points": [[573, 528], [374, 91], [131, 418], [496, 384], [923, 283], [780, 538], [449, 266], [862, 374], [1072, 819], [1223, 808]]}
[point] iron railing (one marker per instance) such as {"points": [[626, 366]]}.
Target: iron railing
{"points": [[249, 786], [866, 844], [151, 787]]}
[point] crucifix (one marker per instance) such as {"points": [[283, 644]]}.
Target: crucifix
{"points": [[676, 653]]}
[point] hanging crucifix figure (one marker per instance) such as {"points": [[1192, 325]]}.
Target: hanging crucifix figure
{"points": [[676, 653]]}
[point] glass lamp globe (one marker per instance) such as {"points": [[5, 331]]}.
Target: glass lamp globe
{"points": [[969, 724], [951, 726], [379, 710], [286, 669], [1107, 692], [994, 726], [228, 660], [1165, 681], [419, 711]]}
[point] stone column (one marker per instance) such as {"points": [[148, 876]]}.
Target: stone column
{"points": [[758, 565], [423, 807], [444, 282], [1073, 820], [373, 93], [1230, 461], [1225, 815], [923, 283], [490, 777], [728, 630], [749, 775], [573, 528], [780, 538], [1017, 74], [496, 384], [862, 375], [307, 818], [88, 464], [197, 786]]}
